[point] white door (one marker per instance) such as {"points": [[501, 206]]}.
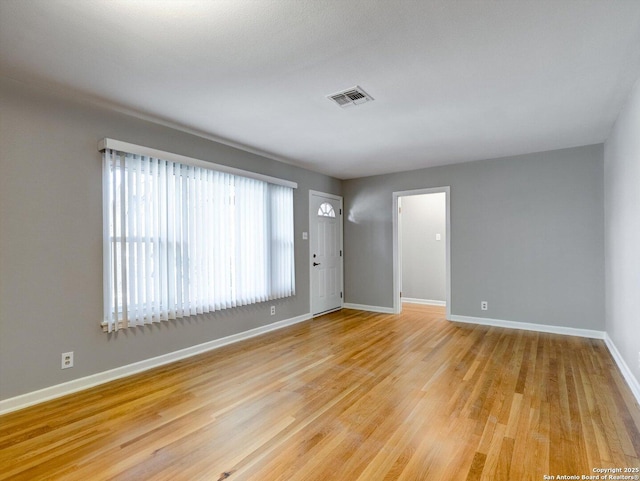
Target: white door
{"points": [[325, 249]]}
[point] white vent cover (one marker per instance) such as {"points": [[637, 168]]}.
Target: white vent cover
{"points": [[353, 96]]}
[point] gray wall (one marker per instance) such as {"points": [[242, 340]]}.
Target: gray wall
{"points": [[526, 236], [424, 257], [51, 240], [622, 232]]}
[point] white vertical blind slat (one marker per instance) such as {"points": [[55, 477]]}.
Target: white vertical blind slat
{"points": [[171, 241], [107, 236], [136, 171], [131, 251], [119, 263]]}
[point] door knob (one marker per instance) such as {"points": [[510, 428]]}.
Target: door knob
{"points": [[316, 264]]}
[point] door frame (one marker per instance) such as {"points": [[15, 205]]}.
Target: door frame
{"points": [[312, 216], [397, 268]]}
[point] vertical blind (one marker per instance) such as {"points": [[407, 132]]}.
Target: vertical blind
{"points": [[181, 240]]}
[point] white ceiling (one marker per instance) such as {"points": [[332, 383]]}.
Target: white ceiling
{"points": [[453, 81]]}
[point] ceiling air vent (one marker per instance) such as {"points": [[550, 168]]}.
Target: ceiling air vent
{"points": [[353, 96]]}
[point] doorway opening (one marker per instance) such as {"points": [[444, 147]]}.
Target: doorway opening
{"points": [[421, 248]]}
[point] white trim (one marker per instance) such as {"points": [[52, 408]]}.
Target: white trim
{"points": [[121, 146], [340, 217], [632, 382], [526, 326], [425, 302], [362, 307], [397, 305], [52, 392]]}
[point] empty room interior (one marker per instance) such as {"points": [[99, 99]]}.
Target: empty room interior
{"points": [[309, 240]]}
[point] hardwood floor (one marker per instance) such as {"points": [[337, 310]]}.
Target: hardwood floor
{"points": [[348, 396]]}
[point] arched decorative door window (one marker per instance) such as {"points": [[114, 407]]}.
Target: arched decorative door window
{"points": [[326, 210]]}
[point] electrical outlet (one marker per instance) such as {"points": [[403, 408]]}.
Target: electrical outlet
{"points": [[273, 310], [67, 360], [484, 305]]}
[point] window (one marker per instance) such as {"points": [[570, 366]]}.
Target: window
{"points": [[326, 210], [182, 240]]}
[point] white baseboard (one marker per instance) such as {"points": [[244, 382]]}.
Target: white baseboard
{"points": [[362, 307], [525, 326], [425, 302], [52, 392], [624, 368]]}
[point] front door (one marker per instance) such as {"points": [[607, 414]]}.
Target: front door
{"points": [[325, 236]]}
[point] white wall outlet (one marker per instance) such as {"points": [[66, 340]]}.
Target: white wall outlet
{"points": [[67, 360], [438, 237], [484, 305], [273, 310], [305, 236]]}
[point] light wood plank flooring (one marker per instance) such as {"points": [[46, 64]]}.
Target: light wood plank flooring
{"points": [[348, 396]]}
